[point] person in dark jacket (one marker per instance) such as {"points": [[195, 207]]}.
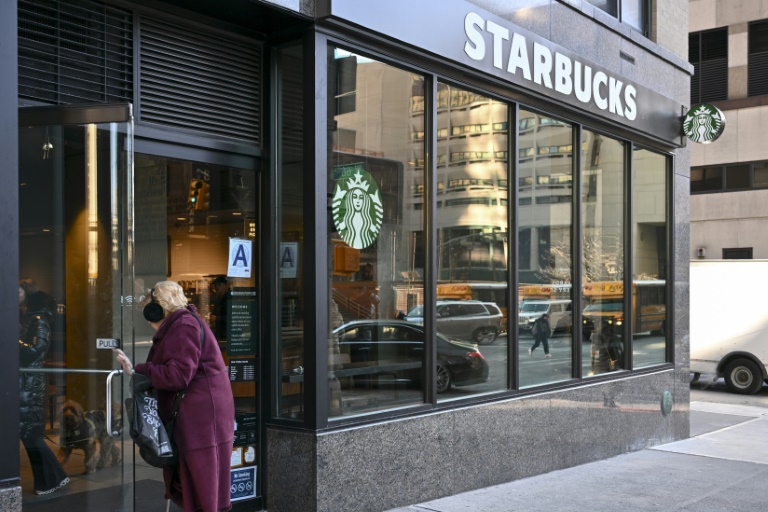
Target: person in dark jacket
{"points": [[204, 428], [34, 341], [541, 331], [221, 300]]}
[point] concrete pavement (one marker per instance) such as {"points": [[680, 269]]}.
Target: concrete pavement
{"points": [[722, 467]]}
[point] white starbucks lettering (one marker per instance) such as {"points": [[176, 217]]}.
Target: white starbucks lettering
{"points": [[570, 75]]}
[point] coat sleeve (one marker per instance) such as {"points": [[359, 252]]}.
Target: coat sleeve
{"points": [[175, 362], [37, 341]]}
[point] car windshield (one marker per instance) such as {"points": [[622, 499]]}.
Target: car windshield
{"points": [[534, 307], [607, 305], [417, 312]]}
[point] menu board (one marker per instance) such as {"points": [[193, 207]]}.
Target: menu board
{"points": [[242, 321], [242, 370]]}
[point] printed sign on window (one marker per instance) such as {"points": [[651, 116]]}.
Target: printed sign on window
{"points": [[357, 209], [240, 258], [289, 259], [243, 483]]}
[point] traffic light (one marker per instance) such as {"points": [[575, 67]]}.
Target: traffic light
{"points": [[204, 199], [195, 188]]}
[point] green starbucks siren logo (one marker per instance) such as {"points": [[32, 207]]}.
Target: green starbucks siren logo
{"points": [[357, 209], [704, 123]]}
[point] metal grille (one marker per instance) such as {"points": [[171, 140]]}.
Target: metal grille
{"points": [[75, 52], [708, 52], [201, 81], [757, 65]]}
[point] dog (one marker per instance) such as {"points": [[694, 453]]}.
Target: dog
{"points": [[87, 431]]}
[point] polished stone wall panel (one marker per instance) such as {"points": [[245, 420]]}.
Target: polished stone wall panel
{"points": [[359, 468], [532, 15], [501, 442], [10, 499], [583, 36], [292, 476], [445, 453]]}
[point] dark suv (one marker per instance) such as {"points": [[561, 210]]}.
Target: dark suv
{"points": [[464, 319]]}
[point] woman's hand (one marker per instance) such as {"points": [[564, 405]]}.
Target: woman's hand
{"points": [[124, 361]]}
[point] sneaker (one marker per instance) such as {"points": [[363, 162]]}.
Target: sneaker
{"points": [[530, 352], [54, 489], [547, 355]]}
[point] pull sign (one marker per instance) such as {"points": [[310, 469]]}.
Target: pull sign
{"points": [[107, 343]]}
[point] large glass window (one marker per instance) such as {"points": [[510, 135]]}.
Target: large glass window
{"points": [[472, 246], [729, 177], [291, 254], [631, 12], [602, 266], [650, 261], [737, 177], [705, 179], [375, 226], [545, 256]]}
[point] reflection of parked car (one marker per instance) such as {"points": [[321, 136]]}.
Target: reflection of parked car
{"points": [[464, 319], [559, 311], [394, 347]]}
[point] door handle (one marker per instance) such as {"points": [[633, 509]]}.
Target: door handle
{"points": [[113, 433]]}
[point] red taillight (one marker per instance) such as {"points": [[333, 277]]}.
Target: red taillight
{"points": [[475, 354]]}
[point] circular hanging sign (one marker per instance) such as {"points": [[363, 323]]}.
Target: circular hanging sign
{"points": [[704, 123], [357, 209]]}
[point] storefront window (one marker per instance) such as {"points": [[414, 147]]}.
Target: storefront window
{"points": [[650, 260], [472, 247], [375, 243], [290, 255], [602, 268], [546, 256]]}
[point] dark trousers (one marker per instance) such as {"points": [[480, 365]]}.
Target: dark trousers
{"points": [[541, 339], [46, 469]]}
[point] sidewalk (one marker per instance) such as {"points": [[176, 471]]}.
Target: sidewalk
{"points": [[722, 467]]}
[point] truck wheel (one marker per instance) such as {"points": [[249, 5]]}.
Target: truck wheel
{"points": [[743, 376]]}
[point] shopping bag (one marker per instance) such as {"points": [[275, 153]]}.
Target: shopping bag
{"points": [[154, 439]]}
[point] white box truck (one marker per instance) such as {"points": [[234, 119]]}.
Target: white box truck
{"points": [[729, 322]]}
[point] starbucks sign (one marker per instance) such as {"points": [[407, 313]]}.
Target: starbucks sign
{"points": [[704, 123], [356, 207]]}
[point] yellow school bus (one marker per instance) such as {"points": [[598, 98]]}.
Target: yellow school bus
{"points": [[528, 292], [605, 301]]}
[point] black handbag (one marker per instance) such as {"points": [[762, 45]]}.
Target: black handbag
{"points": [[154, 439]]}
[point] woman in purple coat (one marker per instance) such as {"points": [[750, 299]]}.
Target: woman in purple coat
{"points": [[204, 429]]}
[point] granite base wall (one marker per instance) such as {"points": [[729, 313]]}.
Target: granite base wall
{"points": [[10, 499], [397, 463]]}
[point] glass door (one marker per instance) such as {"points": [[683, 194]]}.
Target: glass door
{"points": [[76, 301], [196, 223]]}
